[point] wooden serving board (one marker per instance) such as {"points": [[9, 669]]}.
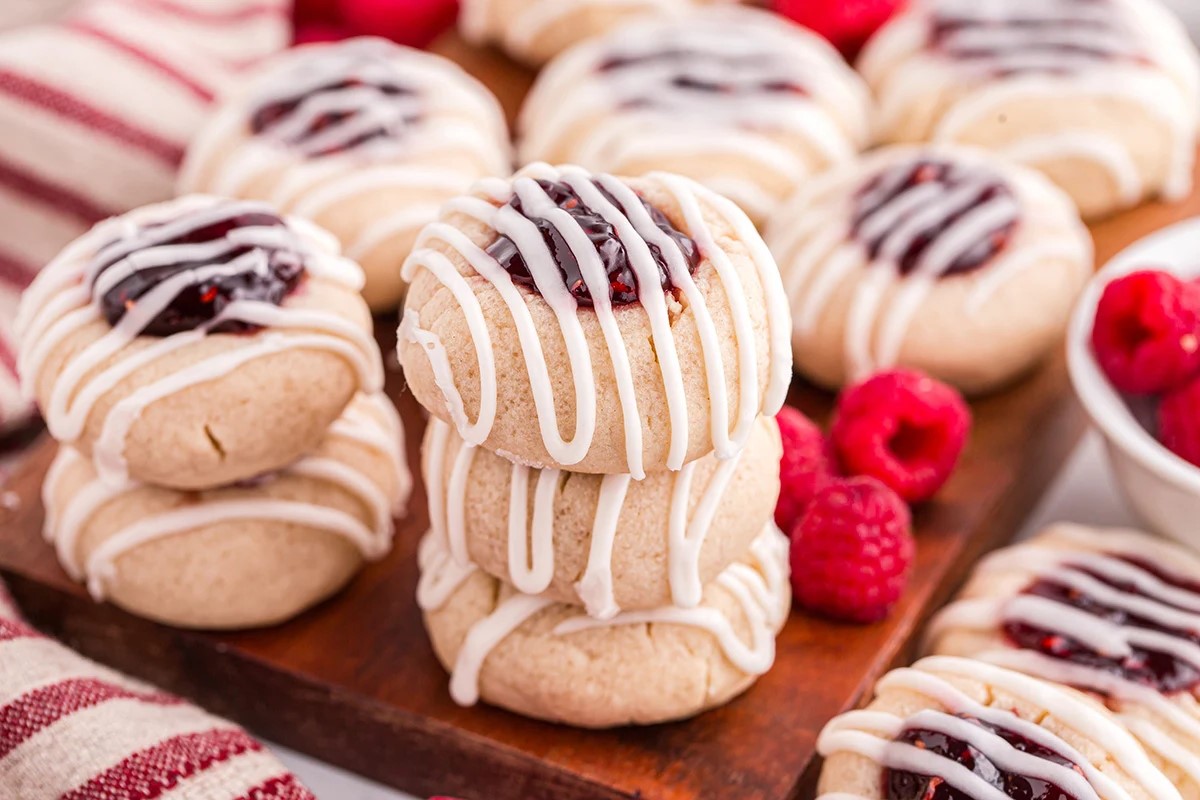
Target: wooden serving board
{"points": [[354, 682]]}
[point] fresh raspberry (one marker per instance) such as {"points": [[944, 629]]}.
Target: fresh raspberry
{"points": [[412, 22], [846, 23], [851, 551], [1179, 421], [309, 12], [314, 32], [903, 428], [806, 466], [1146, 335]]}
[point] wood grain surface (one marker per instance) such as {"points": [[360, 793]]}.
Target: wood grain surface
{"points": [[354, 681]]}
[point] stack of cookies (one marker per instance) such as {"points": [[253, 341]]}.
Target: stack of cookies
{"points": [[209, 369], [601, 358]]}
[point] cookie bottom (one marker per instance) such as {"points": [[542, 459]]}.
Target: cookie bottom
{"points": [[550, 661]]}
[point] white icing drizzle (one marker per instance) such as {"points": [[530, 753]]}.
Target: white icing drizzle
{"points": [[379, 431], [789, 93], [62, 301], [595, 588], [1073, 560], [441, 574], [1008, 52], [354, 90], [531, 537], [1088, 145], [483, 637], [444, 116], [760, 592], [873, 734], [820, 246], [637, 231], [357, 424]]}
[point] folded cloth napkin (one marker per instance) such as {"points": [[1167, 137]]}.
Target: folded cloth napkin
{"points": [[96, 110], [73, 730]]}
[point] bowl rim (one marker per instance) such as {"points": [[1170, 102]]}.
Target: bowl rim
{"points": [[1166, 249]]}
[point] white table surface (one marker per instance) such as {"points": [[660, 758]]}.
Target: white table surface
{"points": [[1084, 492]]}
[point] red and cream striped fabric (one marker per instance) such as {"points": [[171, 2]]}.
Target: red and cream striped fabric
{"points": [[73, 730], [96, 110], [15, 13]]}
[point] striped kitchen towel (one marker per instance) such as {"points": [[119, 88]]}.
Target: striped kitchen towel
{"points": [[15, 13], [73, 730], [96, 110]]}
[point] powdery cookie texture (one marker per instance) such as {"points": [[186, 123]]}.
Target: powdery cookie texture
{"points": [[1110, 611], [580, 321], [952, 727], [608, 542], [364, 137], [551, 661], [534, 31], [1101, 95], [194, 343], [741, 100], [941, 258], [253, 553]]}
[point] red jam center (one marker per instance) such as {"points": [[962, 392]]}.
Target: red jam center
{"points": [[1160, 671], [267, 277], [274, 117], [887, 192], [623, 287], [743, 73], [900, 785], [1060, 37]]}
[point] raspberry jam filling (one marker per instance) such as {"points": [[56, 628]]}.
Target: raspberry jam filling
{"points": [[1162, 671], [337, 116], [1058, 37], [747, 74], [903, 212], [623, 287], [901, 785], [264, 264]]}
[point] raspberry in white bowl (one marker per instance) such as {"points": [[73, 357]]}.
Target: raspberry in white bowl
{"points": [[1122, 376]]}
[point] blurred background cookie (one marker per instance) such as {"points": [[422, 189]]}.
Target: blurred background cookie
{"points": [[939, 258], [1100, 95], [741, 100], [364, 137], [534, 31]]}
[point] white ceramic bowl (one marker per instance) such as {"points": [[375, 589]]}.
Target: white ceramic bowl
{"points": [[1163, 489]]}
